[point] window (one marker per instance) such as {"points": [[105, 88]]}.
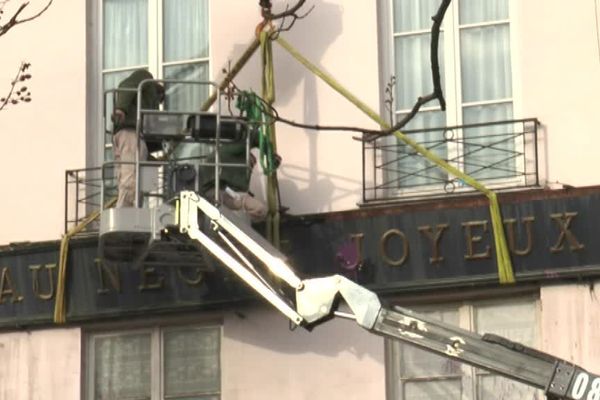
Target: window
{"points": [[476, 70], [170, 38], [415, 374], [159, 363]]}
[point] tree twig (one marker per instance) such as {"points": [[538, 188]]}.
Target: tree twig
{"points": [[13, 21], [290, 12], [23, 93]]}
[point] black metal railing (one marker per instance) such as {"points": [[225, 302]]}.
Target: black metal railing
{"points": [[501, 155], [83, 196]]}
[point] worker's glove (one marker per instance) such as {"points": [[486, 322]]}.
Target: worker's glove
{"points": [[118, 116]]}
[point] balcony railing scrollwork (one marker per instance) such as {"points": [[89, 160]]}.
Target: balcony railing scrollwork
{"points": [[501, 155]]}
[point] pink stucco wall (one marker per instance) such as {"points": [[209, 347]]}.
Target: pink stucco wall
{"points": [[559, 62], [40, 365], [263, 359], [43, 138], [320, 171], [570, 323]]}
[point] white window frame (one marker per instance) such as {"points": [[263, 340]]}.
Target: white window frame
{"points": [[466, 317], [156, 355], [155, 63], [453, 83]]}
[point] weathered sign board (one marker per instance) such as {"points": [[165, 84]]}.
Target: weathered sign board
{"points": [[551, 235]]}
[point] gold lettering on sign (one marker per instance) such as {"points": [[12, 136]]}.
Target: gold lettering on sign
{"points": [[35, 269], [472, 240], [191, 281], [434, 237], [106, 273], [357, 238], [151, 280], [7, 288], [510, 233], [383, 245], [563, 221]]}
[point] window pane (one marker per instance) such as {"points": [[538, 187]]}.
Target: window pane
{"points": [[185, 29], [186, 97], [412, 15], [485, 63], [516, 322], [191, 362], [413, 169], [125, 33], [491, 387], [489, 151], [476, 11], [122, 367], [420, 363], [417, 363], [419, 375], [413, 69], [447, 390]]}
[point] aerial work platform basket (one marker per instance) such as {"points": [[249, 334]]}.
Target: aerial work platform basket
{"points": [[189, 145]]}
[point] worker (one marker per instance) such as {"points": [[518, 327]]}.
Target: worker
{"points": [[125, 140], [234, 182]]}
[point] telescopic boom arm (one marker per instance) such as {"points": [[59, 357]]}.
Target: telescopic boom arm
{"points": [[315, 298]]}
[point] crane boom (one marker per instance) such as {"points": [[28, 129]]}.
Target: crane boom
{"points": [[314, 300]]}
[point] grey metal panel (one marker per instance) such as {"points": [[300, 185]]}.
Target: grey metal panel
{"points": [[127, 219], [136, 220]]}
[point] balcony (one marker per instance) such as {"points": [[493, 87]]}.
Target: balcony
{"points": [[501, 155]]}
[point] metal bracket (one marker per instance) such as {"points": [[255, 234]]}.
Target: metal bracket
{"points": [[559, 384], [314, 300]]}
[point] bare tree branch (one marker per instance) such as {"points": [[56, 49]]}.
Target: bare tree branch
{"points": [[271, 112], [22, 94], [438, 18], [375, 134], [290, 12], [14, 21], [438, 93]]}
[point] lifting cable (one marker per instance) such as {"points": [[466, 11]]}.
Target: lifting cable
{"points": [[268, 95], [60, 304], [505, 268]]}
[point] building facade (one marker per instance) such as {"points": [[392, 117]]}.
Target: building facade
{"points": [[519, 79]]}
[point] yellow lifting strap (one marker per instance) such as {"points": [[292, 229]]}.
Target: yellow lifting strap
{"points": [[268, 95], [504, 263], [60, 304], [235, 69]]}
